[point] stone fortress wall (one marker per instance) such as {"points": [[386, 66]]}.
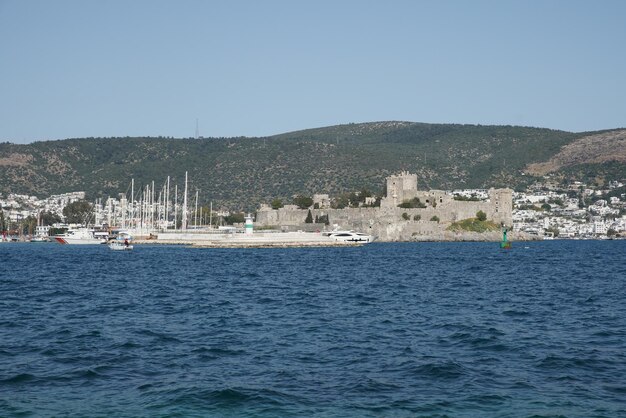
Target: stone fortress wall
{"points": [[386, 221]]}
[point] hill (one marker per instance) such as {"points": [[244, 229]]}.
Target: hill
{"points": [[242, 172], [593, 156]]}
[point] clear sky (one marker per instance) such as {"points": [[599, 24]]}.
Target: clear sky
{"points": [[143, 67]]}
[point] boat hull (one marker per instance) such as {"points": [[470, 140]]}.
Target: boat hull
{"points": [[78, 241], [120, 247]]}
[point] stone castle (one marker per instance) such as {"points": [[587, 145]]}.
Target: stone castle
{"points": [[389, 221]]}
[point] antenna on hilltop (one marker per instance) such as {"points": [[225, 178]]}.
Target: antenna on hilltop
{"points": [[197, 129]]}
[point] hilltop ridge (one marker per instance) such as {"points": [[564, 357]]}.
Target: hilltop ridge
{"points": [[244, 171]]}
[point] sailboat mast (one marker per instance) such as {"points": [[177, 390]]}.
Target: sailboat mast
{"points": [[175, 206], [184, 222], [152, 207], [167, 202], [158, 213], [195, 214], [132, 200]]}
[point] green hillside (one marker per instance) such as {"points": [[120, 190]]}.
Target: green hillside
{"points": [[242, 172]]}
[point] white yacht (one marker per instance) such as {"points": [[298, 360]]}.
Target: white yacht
{"points": [[349, 236]]}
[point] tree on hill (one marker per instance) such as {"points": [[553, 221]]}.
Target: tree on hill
{"points": [[340, 202], [481, 216], [28, 225], [49, 218], [353, 198], [323, 219], [234, 218], [363, 194], [412, 204], [303, 202], [277, 203], [462, 198], [78, 212], [3, 225]]}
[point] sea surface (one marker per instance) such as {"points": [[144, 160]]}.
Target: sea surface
{"points": [[383, 330]]}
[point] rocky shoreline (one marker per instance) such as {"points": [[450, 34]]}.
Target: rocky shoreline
{"points": [[494, 236]]}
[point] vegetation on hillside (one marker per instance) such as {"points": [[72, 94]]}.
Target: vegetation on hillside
{"points": [[240, 173], [473, 225]]}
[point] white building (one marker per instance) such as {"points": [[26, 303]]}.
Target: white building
{"points": [[599, 228]]}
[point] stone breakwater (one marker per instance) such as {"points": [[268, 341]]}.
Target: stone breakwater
{"points": [[496, 236], [198, 244], [308, 239], [274, 245], [256, 240]]}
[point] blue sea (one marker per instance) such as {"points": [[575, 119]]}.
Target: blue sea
{"points": [[383, 330]]}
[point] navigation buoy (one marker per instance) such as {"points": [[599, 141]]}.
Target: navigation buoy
{"points": [[505, 244]]}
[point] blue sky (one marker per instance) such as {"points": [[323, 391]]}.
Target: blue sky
{"points": [[129, 68]]}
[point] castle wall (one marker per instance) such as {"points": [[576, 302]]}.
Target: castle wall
{"points": [[387, 223]]}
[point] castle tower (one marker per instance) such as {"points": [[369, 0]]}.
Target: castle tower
{"points": [[400, 187], [502, 205]]}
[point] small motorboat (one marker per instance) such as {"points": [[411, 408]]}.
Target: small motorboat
{"points": [[120, 246], [122, 242], [39, 238]]}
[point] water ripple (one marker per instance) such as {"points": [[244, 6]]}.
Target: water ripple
{"points": [[403, 330]]}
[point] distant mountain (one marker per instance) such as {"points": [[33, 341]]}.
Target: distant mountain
{"points": [[242, 172]]}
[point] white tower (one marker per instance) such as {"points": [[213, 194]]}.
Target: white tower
{"points": [[249, 225]]}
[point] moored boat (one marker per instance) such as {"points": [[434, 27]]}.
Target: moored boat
{"points": [[349, 236], [120, 246], [122, 242], [81, 236]]}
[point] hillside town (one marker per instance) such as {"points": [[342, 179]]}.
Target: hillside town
{"points": [[546, 210]]}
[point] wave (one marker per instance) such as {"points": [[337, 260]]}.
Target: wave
{"points": [[446, 370], [18, 379], [214, 353], [226, 401], [159, 336]]}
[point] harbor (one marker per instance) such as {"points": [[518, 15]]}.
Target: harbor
{"points": [[167, 214]]}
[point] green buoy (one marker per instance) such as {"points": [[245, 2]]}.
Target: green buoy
{"points": [[505, 244]]}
